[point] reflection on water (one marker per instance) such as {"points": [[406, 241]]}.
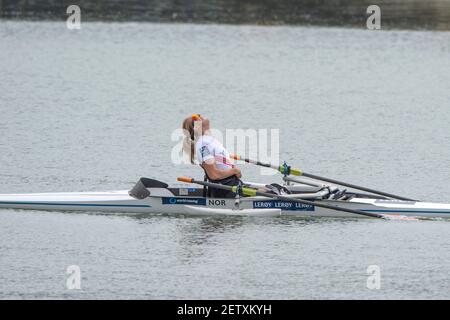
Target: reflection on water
{"points": [[197, 235], [431, 14]]}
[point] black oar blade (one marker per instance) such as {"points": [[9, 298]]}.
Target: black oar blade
{"points": [[140, 191]]}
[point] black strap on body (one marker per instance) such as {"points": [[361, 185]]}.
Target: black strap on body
{"points": [[213, 192], [205, 188]]}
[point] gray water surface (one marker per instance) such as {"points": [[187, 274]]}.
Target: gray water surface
{"points": [[95, 109]]}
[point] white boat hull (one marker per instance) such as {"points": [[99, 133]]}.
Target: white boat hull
{"points": [[163, 202]]}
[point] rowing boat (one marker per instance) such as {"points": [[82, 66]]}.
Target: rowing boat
{"points": [[305, 196], [151, 196]]}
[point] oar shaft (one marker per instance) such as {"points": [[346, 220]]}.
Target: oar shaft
{"points": [[296, 172], [253, 192], [349, 185], [258, 163]]}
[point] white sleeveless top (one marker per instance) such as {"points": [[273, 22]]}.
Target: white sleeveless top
{"points": [[208, 148]]}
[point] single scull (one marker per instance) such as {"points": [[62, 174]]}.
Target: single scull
{"points": [[308, 199]]}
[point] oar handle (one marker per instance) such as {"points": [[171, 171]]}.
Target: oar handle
{"points": [[235, 156]]}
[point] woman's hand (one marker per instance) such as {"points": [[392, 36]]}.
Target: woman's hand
{"points": [[237, 173]]}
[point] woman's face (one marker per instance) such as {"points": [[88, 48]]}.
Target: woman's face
{"points": [[205, 123]]}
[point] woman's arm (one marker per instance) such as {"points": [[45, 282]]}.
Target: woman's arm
{"points": [[218, 174]]}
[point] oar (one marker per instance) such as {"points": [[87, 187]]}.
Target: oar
{"points": [[284, 169], [253, 192]]}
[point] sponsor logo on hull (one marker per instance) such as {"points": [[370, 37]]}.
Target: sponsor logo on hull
{"points": [[283, 205], [189, 201]]}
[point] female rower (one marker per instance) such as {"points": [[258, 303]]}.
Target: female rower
{"points": [[210, 154]]}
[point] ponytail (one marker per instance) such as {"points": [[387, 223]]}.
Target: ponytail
{"points": [[189, 139]]}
